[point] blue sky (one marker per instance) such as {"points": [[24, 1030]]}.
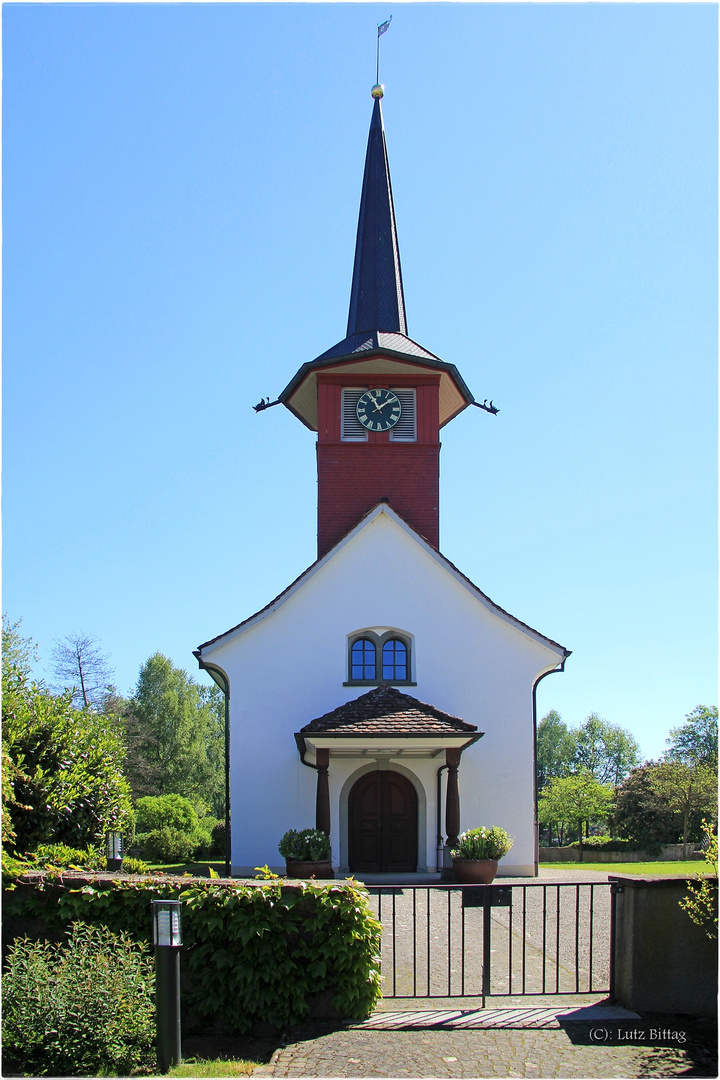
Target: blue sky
{"points": [[181, 185]]}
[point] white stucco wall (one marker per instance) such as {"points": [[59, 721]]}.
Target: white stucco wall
{"points": [[288, 666]]}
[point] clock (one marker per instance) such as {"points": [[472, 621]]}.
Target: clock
{"points": [[378, 410]]}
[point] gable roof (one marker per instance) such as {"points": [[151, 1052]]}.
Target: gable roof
{"points": [[387, 711], [380, 509]]}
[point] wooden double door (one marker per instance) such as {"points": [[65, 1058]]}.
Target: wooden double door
{"points": [[383, 824]]}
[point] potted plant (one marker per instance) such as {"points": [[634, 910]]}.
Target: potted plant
{"points": [[306, 853], [475, 859]]}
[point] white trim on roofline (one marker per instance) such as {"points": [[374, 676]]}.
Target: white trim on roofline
{"points": [[208, 647]]}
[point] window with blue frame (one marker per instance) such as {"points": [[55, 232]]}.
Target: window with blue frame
{"points": [[394, 660], [376, 658], [363, 656]]}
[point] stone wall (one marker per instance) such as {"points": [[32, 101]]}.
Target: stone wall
{"points": [[669, 853], [663, 961]]}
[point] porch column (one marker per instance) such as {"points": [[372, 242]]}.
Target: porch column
{"points": [[452, 797], [322, 800]]}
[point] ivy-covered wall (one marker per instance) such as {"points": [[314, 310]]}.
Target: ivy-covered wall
{"points": [[253, 954]]}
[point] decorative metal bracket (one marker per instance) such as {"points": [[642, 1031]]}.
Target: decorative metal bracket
{"points": [[488, 408], [265, 403]]}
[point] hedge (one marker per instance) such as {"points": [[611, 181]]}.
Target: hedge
{"points": [[607, 843], [253, 954]]}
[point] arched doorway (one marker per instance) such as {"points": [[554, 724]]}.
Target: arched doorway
{"points": [[383, 824]]}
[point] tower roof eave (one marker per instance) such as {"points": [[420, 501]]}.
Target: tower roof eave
{"points": [[378, 360]]}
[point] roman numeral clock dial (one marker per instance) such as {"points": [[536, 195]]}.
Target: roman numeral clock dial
{"points": [[378, 410]]}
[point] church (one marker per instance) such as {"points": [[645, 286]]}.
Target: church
{"points": [[382, 697]]}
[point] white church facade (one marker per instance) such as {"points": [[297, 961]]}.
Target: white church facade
{"points": [[382, 696]]}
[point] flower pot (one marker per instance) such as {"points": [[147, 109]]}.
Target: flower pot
{"points": [[321, 868], [474, 871]]}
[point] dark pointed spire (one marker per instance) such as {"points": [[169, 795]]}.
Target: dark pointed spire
{"points": [[376, 299]]}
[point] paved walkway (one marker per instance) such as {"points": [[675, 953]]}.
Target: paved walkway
{"points": [[605, 1043]]}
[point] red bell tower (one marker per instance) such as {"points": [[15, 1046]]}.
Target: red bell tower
{"points": [[377, 399]]}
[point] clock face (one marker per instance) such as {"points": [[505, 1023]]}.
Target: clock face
{"points": [[378, 410]]}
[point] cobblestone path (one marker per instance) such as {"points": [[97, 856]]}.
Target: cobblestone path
{"points": [[646, 1047]]}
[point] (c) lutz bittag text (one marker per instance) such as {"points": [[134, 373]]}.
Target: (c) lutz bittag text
{"points": [[648, 1035]]}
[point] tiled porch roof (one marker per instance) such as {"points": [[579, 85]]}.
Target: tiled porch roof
{"points": [[385, 711]]}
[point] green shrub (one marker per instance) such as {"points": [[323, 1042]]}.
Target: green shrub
{"points": [[252, 953], [307, 845], [158, 811], [218, 839], [67, 857], [483, 843], [607, 843], [206, 829], [169, 845], [79, 1009], [134, 866], [701, 901], [62, 855], [168, 829]]}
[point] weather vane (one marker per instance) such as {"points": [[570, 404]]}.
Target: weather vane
{"points": [[382, 29]]}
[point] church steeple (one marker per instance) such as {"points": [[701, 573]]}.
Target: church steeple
{"points": [[377, 399], [376, 297]]}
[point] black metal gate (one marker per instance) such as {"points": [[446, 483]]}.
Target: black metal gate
{"points": [[469, 941]]}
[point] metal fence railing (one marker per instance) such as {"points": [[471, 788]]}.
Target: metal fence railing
{"points": [[451, 941]]}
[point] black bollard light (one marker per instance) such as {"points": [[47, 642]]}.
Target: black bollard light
{"points": [[167, 939], [114, 850]]}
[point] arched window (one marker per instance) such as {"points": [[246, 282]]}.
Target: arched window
{"points": [[375, 658], [394, 660], [363, 660]]}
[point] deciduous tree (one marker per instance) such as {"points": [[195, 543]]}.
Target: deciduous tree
{"points": [[686, 789], [575, 800], [67, 781], [606, 750], [80, 666], [696, 740], [641, 814], [176, 736], [555, 749]]}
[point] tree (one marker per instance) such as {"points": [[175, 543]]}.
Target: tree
{"points": [[66, 779], [555, 749], [18, 653], [18, 656], [606, 750], [176, 736], [686, 788], [80, 666], [641, 814], [575, 800], [697, 739]]}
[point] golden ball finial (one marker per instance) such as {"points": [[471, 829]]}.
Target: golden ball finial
{"points": [[378, 90]]}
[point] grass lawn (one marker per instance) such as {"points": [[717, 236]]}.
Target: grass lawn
{"points": [[673, 868], [219, 1067], [224, 1055]]}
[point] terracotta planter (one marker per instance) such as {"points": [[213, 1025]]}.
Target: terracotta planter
{"points": [[322, 868], [474, 871]]}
